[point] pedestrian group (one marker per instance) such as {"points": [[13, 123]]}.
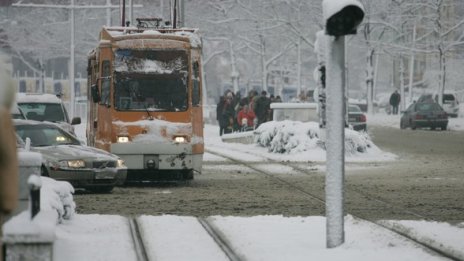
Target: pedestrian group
{"points": [[235, 113]]}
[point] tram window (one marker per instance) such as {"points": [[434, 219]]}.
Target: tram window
{"points": [[106, 83], [196, 92]]}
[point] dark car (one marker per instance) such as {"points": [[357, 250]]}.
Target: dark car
{"points": [[356, 118], [65, 158], [450, 102], [426, 114]]}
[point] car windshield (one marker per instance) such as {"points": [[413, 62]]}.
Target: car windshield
{"points": [[43, 111], [45, 135], [352, 108], [151, 80]]}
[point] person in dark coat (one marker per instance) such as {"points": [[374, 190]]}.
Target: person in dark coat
{"points": [[262, 108], [395, 99], [219, 108], [228, 114]]}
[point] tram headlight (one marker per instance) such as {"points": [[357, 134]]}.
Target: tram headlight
{"points": [[121, 163], [180, 139], [123, 139]]}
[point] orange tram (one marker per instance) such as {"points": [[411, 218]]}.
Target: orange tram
{"points": [[145, 100]]}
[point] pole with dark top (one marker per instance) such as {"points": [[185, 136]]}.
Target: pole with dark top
{"points": [[34, 182], [340, 18]]}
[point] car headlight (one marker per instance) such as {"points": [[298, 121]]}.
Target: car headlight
{"points": [[74, 164], [121, 164], [123, 139], [180, 139]]}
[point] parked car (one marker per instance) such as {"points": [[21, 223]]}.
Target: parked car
{"points": [[356, 118], [450, 102], [428, 114], [64, 158], [46, 107]]}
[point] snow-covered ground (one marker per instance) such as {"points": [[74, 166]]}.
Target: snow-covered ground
{"points": [[107, 237]]}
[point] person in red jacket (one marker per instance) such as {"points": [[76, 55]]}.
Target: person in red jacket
{"points": [[245, 118]]}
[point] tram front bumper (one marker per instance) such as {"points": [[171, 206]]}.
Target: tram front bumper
{"points": [[175, 156]]}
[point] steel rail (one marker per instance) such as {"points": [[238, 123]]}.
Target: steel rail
{"points": [[138, 241], [220, 240], [442, 251]]}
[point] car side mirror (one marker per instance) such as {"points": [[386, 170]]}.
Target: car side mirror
{"points": [[76, 121], [95, 94]]}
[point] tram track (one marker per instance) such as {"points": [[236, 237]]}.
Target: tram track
{"points": [[139, 246], [220, 240], [218, 237], [311, 171], [426, 244]]}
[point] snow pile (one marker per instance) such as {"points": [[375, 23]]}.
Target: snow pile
{"points": [[294, 137], [155, 130], [57, 196]]}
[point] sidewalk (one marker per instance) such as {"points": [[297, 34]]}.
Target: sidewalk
{"points": [[104, 237]]}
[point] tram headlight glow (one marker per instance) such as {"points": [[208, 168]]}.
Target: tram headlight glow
{"points": [[180, 139], [121, 163], [123, 139]]}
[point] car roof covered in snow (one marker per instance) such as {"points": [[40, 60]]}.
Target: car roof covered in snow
{"points": [[37, 98]]}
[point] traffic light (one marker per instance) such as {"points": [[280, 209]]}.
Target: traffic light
{"points": [[342, 17]]}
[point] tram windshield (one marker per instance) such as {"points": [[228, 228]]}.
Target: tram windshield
{"points": [[151, 80]]}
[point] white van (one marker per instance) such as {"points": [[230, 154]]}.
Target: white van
{"points": [[450, 104], [46, 107]]}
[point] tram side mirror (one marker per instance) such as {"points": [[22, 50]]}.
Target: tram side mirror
{"points": [[95, 94], [342, 17]]}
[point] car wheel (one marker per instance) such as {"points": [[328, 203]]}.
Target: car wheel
{"points": [[44, 172], [443, 127], [413, 126], [103, 189], [402, 125]]}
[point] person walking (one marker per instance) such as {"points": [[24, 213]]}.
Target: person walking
{"points": [[262, 108], [9, 188], [219, 108], [395, 99]]}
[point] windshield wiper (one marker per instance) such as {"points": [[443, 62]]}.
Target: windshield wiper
{"points": [[148, 111], [136, 94]]}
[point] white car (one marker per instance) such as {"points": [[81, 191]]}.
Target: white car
{"points": [[46, 107]]}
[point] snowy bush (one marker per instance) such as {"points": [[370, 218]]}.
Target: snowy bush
{"points": [[57, 195], [294, 136]]}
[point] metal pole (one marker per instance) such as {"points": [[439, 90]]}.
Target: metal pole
{"points": [[335, 143], [131, 11], [411, 65], [108, 13], [299, 67], [71, 65], [182, 13], [123, 13], [34, 184]]}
